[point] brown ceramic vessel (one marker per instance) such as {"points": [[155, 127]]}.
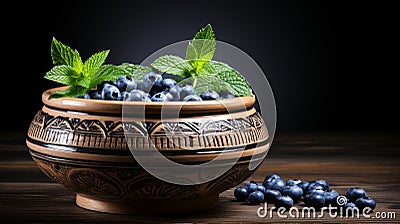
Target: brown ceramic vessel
{"points": [[83, 145]]}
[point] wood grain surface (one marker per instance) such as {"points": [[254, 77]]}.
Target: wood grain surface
{"points": [[364, 159]]}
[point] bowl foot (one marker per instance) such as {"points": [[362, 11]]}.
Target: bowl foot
{"points": [[154, 208]]}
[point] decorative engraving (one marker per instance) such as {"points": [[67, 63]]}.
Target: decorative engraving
{"points": [[99, 133], [133, 184]]}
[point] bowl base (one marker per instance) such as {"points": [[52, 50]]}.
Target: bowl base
{"points": [[154, 208]]}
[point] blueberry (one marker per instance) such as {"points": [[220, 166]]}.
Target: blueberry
{"points": [[323, 183], [261, 188], [186, 90], [175, 93], [138, 95], [354, 193], [110, 92], [94, 94], [226, 94], [284, 201], [168, 83], [303, 186], [293, 182], [192, 97], [349, 208], [210, 95], [126, 83], [241, 193], [85, 96], [256, 197], [312, 186], [159, 97], [272, 195], [293, 191], [105, 83], [315, 200], [144, 86], [364, 202], [153, 82], [331, 197], [251, 186], [270, 177], [275, 184], [124, 96]]}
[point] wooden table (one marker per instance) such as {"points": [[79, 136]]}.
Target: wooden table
{"points": [[368, 160]]}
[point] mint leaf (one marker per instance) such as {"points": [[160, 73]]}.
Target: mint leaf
{"points": [[136, 71], [207, 82], [61, 54], [93, 64], [228, 74], [107, 73], [201, 49], [215, 67], [174, 65], [236, 81], [205, 33], [72, 91], [63, 74]]}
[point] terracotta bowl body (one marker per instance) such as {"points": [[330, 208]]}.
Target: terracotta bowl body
{"points": [[83, 145]]}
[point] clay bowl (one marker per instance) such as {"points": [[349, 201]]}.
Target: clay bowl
{"points": [[84, 145]]}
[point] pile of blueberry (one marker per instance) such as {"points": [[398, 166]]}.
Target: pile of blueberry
{"points": [[153, 88], [315, 193]]}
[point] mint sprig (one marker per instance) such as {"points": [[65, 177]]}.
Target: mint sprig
{"points": [[80, 77], [198, 63]]}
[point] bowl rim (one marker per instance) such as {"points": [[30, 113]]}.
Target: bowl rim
{"points": [[115, 107]]}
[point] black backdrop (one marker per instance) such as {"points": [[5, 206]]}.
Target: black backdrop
{"points": [[326, 61]]}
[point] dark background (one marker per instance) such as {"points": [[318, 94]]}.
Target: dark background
{"points": [[329, 62]]}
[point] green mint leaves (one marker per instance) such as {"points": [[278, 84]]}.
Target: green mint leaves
{"points": [[201, 69], [80, 77], [201, 49], [198, 68]]}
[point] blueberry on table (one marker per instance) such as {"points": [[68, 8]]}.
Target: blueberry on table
{"points": [[316, 200], [241, 193], [312, 187], [210, 95], [364, 202], [251, 186], [354, 193], [323, 183], [331, 197], [159, 97], [303, 186], [293, 191], [256, 197], [284, 201], [261, 188], [270, 177], [293, 182], [275, 184], [186, 90], [271, 195], [192, 98], [110, 92], [126, 83], [349, 208]]}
